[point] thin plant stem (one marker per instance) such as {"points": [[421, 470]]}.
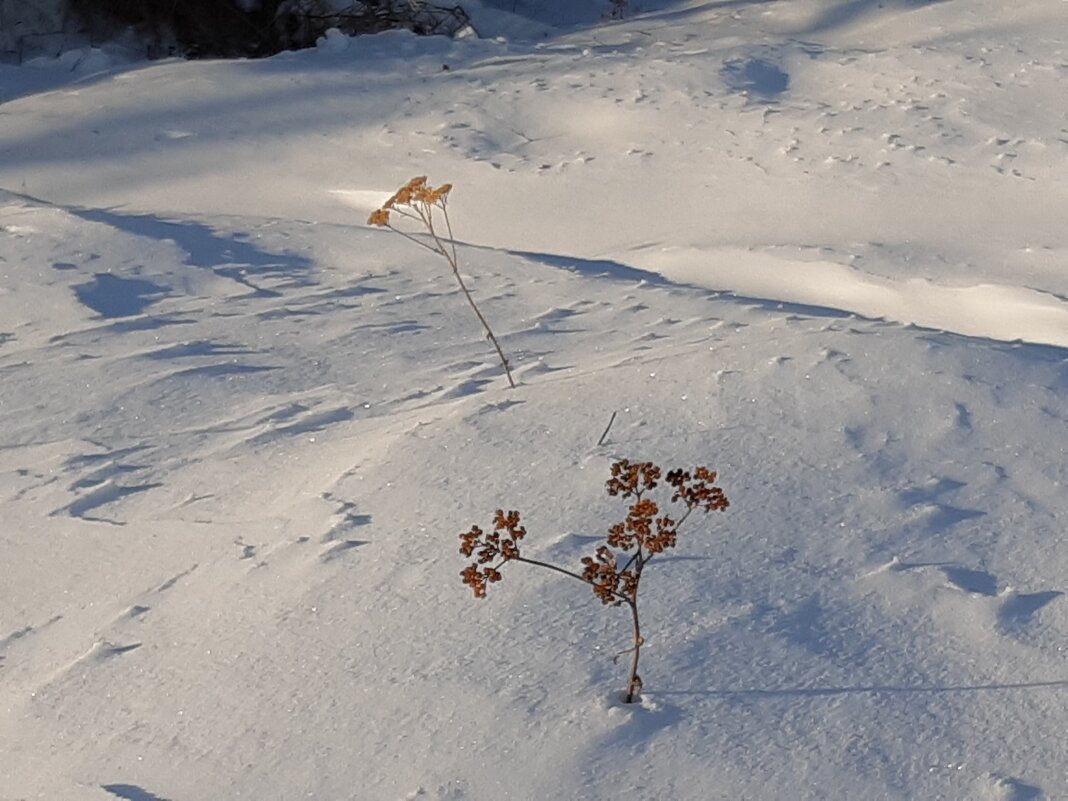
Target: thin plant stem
{"points": [[607, 428], [459, 279], [416, 201], [634, 684]]}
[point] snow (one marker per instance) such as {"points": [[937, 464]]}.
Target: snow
{"points": [[817, 246]]}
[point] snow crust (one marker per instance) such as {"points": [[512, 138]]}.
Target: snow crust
{"points": [[817, 246]]}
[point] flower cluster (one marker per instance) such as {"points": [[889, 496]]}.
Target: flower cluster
{"points": [[602, 572], [643, 528], [416, 193], [502, 544], [632, 478], [697, 490], [641, 535]]}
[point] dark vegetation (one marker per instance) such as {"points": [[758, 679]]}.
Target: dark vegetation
{"points": [[242, 28]]}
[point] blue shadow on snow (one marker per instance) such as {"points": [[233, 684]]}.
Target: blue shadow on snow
{"points": [[814, 692], [131, 792], [757, 78], [228, 256], [111, 296]]}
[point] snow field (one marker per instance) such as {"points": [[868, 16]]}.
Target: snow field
{"points": [[240, 431]]}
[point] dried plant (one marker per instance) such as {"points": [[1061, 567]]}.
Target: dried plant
{"points": [[618, 10], [420, 202], [615, 570]]}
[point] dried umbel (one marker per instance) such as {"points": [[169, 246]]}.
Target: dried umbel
{"points": [[614, 572], [422, 203]]}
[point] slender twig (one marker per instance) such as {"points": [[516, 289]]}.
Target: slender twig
{"points": [[549, 566], [622, 598], [607, 428]]}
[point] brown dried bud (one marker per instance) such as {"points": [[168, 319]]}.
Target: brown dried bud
{"points": [[475, 580]]}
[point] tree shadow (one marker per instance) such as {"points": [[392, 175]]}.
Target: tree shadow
{"points": [[840, 14], [18, 81], [617, 271], [604, 268], [874, 689], [204, 247]]}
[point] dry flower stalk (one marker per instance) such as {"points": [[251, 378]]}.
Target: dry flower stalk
{"points": [[418, 201], [644, 533]]}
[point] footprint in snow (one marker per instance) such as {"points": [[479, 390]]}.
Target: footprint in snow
{"points": [[1012, 610], [131, 792], [339, 548], [471, 386], [1015, 609], [1018, 609], [928, 503], [1006, 788], [973, 581]]}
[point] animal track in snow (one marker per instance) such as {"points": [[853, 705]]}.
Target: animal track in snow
{"points": [[104, 494], [100, 486], [926, 504], [305, 421], [338, 548], [973, 581], [1017, 609], [346, 518], [131, 792], [1006, 788], [27, 630], [105, 649], [173, 580], [1005, 609]]}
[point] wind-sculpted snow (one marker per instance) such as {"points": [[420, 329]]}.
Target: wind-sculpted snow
{"points": [[1005, 312], [240, 431]]}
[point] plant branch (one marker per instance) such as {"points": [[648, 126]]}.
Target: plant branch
{"points": [[566, 572], [411, 238], [448, 227], [607, 428]]}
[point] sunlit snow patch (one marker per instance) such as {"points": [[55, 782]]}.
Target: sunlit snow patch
{"points": [[992, 311]]}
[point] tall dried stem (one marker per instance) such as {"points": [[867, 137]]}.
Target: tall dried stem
{"points": [[418, 201]]}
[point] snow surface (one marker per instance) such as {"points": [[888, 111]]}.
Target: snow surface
{"points": [[817, 245]]}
